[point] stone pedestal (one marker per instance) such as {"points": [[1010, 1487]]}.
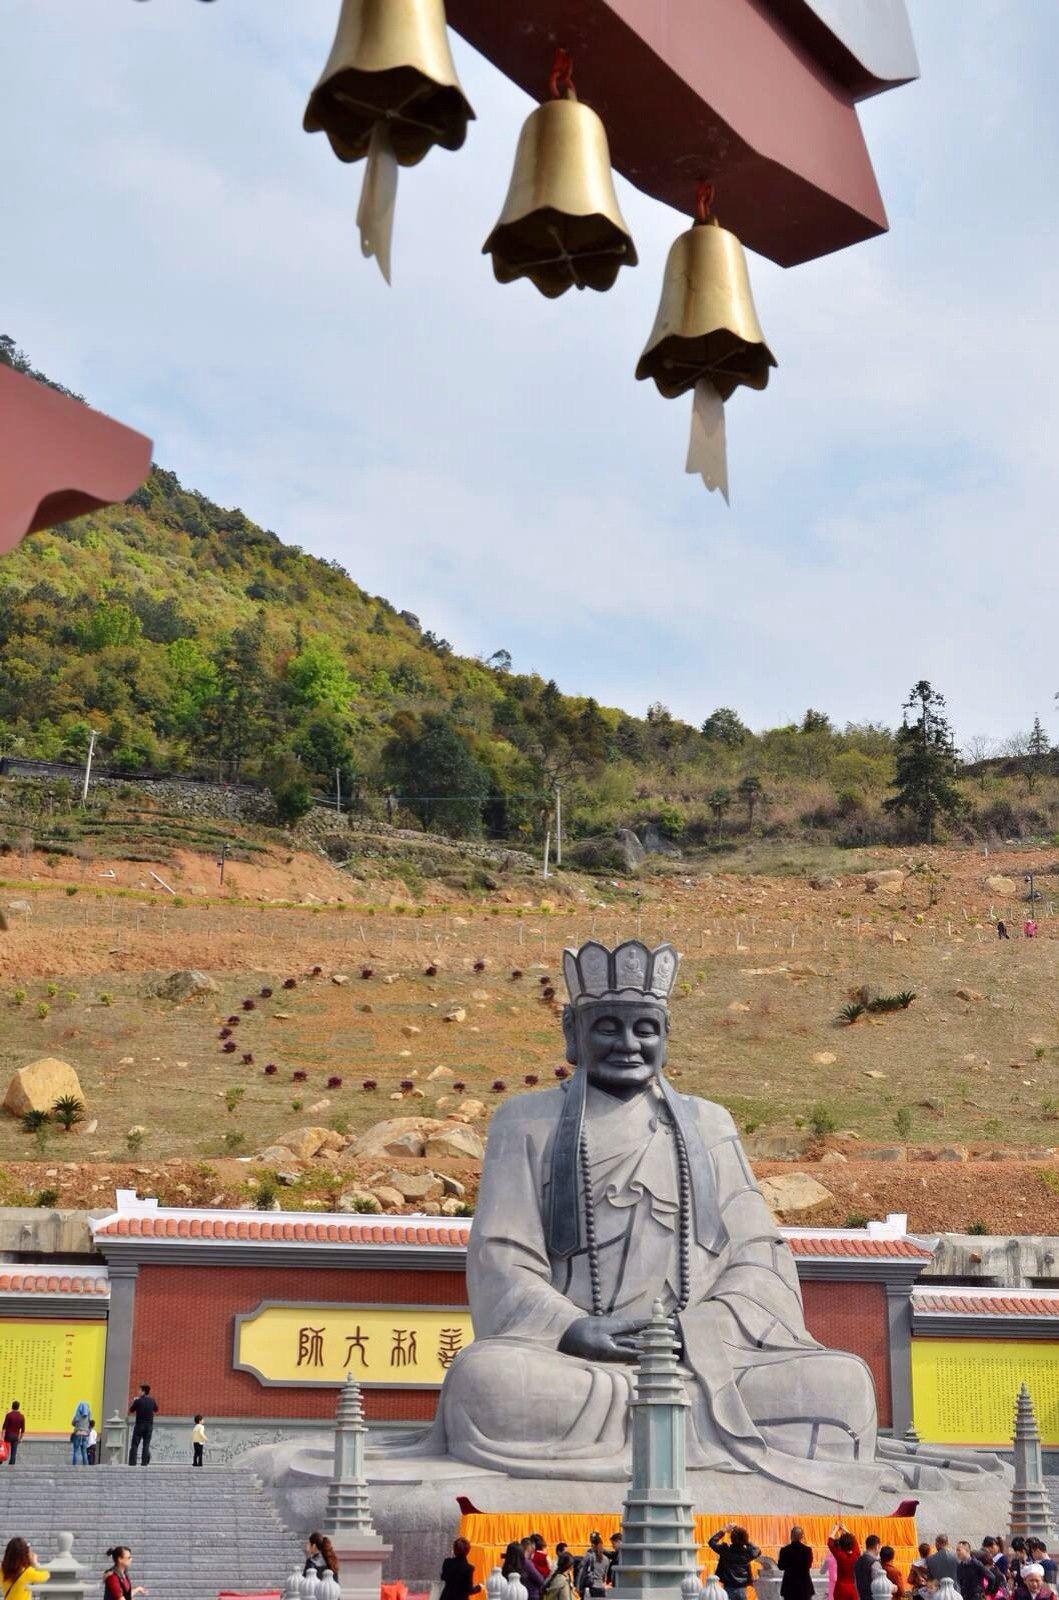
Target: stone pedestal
{"points": [[65, 1580]]}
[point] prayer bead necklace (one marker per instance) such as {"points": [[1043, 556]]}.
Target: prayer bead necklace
{"points": [[684, 1211]]}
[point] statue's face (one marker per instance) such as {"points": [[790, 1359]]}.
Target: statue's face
{"points": [[620, 1045]]}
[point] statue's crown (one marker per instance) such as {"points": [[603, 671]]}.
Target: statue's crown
{"points": [[596, 973]]}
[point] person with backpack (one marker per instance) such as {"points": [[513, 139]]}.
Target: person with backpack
{"points": [[594, 1569], [19, 1570], [82, 1427], [117, 1585]]}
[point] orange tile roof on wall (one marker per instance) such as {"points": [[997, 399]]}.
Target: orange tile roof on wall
{"points": [[52, 1283], [863, 1249], [985, 1305], [445, 1233]]}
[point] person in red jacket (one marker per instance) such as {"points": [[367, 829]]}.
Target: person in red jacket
{"points": [[14, 1426], [539, 1555], [117, 1585], [846, 1551]]}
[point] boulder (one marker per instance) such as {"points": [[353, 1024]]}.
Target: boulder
{"points": [[997, 883], [884, 878], [410, 1030], [339, 978], [415, 1186], [795, 1194], [972, 996], [398, 1136], [825, 882], [457, 1143], [452, 1186], [950, 1152], [21, 908], [778, 1146], [833, 1158], [452, 1208], [276, 1153], [440, 1072], [473, 1109], [883, 1152], [389, 1199], [183, 986], [38, 1086], [359, 1200], [457, 1014], [332, 1142], [824, 1058], [306, 1142], [631, 848], [655, 842]]}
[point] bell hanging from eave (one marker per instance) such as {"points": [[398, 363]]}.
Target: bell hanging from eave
{"points": [[561, 225], [389, 92], [706, 336]]}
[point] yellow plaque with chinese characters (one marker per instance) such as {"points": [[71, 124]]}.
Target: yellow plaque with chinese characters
{"points": [[382, 1346]]}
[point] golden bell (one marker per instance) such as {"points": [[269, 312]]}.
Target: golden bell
{"points": [[390, 62], [561, 223], [706, 326]]}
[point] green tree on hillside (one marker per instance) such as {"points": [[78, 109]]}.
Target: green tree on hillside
{"points": [[926, 763], [1038, 749], [319, 677], [324, 744], [438, 778], [719, 801], [750, 791], [724, 727], [234, 715]]}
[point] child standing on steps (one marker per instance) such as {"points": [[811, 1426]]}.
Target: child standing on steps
{"points": [[198, 1440]]}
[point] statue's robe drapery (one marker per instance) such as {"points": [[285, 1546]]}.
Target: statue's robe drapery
{"points": [[766, 1397]]}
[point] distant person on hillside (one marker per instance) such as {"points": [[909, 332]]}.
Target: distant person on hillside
{"points": [[144, 1408], [81, 1424], [14, 1427], [1029, 929], [198, 1441], [1002, 930], [117, 1585], [19, 1570]]}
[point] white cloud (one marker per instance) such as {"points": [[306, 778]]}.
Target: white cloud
{"points": [[177, 249]]}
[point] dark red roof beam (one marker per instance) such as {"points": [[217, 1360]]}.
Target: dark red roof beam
{"points": [[758, 96], [59, 458]]}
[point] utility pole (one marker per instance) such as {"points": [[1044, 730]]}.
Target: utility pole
{"points": [[92, 737], [558, 826], [547, 847], [224, 857], [338, 790]]}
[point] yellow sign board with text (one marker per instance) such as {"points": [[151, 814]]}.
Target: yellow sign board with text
{"points": [[49, 1367], [964, 1390], [382, 1346]]}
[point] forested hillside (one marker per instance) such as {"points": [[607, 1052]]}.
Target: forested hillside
{"points": [[193, 640]]}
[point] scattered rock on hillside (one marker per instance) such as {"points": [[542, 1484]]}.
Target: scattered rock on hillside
{"points": [[971, 995], [389, 1199], [883, 878], [655, 842], [452, 1208], [397, 1136], [457, 1014], [795, 1194], [631, 848], [473, 1109], [997, 883], [359, 1200], [458, 1143], [410, 1030], [833, 1158], [882, 1152], [952, 1152], [183, 986], [21, 908], [307, 1142], [453, 1186], [439, 1072], [38, 1086], [778, 1146], [824, 1058], [415, 1186], [825, 882]]}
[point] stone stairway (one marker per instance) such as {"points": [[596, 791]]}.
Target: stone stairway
{"points": [[191, 1533]]}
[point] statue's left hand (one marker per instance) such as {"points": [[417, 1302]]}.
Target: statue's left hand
{"points": [[604, 1338]]}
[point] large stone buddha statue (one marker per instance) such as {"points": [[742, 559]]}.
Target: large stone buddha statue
{"points": [[599, 1197]]}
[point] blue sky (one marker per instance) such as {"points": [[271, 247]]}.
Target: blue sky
{"points": [[176, 248]]}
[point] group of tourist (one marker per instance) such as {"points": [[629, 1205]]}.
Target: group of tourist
{"points": [[20, 1570], [564, 1576], [1022, 1571]]}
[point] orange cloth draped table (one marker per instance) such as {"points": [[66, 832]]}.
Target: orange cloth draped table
{"points": [[490, 1532]]}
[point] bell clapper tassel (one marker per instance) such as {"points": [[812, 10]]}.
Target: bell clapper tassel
{"points": [[378, 199], [706, 336], [561, 226], [388, 94]]}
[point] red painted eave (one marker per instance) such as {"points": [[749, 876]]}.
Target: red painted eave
{"points": [[725, 90], [59, 458]]}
